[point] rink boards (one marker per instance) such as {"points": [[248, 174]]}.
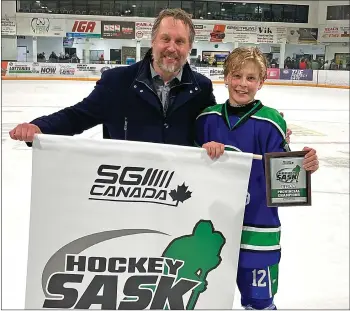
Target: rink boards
{"points": [[93, 72]]}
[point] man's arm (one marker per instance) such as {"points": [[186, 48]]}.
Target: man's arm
{"points": [[90, 112]]}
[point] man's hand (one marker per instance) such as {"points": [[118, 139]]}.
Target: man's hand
{"points": [[214, 149], [25, 132], [289, 131], [310, 162]]}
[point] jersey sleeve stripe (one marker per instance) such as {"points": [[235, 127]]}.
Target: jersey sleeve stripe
{"points": [[274, 123], [208, 112], [232, 148], [260, 248], [258, 229]]}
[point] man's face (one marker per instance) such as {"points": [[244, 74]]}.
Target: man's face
{"points": [[244, 84], [171, 45]]}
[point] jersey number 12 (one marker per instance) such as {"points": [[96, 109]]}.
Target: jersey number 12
{"points": [[261, 274]]}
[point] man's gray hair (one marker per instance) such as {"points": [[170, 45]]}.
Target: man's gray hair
{"points": [[177, 14]]}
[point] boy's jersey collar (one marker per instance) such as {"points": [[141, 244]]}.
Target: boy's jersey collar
{"points": [[250, 110]]}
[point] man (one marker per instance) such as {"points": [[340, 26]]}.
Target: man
{"points": [[155, 100]]}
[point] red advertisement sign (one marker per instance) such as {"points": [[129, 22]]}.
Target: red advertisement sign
{"points": [[118, 30], [273, 73], [84, 26], [218, 33], [3, 68]]}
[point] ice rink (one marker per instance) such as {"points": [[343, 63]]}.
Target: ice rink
{"points": [[314, 270]]}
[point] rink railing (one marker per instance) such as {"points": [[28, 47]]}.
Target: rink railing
{"points": [[93, 72]]}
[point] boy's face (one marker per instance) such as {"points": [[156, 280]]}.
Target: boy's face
{"points": [[244, 84]]}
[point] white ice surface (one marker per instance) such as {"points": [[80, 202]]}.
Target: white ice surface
{"points": [[314, 270]]}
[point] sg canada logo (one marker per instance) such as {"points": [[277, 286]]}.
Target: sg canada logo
{"points": [[137, 184]]}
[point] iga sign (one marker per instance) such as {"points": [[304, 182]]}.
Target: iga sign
{"points": [[83, 29], [84, 26]]}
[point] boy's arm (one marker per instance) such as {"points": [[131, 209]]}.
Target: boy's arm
{"points": [[273, 141], [276, 143], [203, 138]]}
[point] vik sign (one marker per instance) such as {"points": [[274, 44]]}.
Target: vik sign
{"points": [[84, 26]]}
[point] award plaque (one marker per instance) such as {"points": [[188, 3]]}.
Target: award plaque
{"points": [[287, 183]]}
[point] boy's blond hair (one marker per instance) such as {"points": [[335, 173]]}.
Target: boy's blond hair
{"points": [[239, 56]]}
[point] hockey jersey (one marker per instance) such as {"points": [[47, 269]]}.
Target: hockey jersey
{"points": [[259, 130]]}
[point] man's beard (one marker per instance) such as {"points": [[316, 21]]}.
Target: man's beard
{"points": [[170, 68]]}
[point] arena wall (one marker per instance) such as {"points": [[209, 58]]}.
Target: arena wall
{"points": [[93, 72]]}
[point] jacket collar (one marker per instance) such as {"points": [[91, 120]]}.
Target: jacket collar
{"points": [[189, 84]]}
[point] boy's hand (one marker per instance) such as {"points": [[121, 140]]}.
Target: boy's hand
{"points": [[289, 131], [214, 149], [310, 160]]}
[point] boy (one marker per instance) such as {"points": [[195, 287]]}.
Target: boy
{"points": [[242, 123]]}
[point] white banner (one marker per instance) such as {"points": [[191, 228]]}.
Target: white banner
{"points": [[203, 31], [143, 30], [58, 70], [216, 74], [22, 69], [83, 70], [302, 35], [260, 35], [40, 26], [8, 26], [132, 225], [242, 34], [334, 34], [49, 69]]}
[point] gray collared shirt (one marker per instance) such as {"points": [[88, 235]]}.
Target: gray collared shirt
{"points": [[162, 88]]}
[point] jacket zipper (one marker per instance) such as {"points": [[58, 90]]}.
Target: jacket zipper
{"points": [[148, 87], [125, 128], [164, 112]]}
